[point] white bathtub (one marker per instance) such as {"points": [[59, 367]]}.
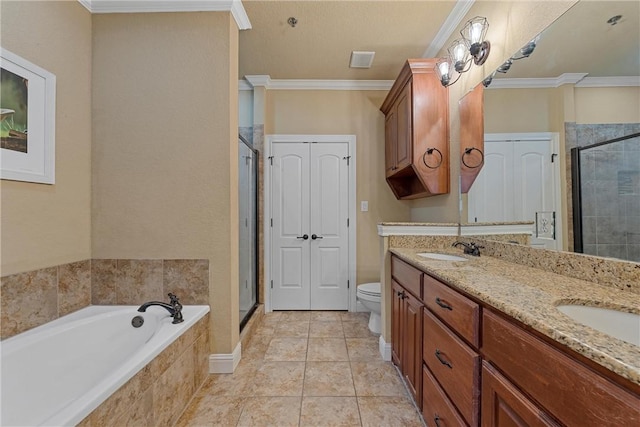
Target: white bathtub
{"points": [[57, 373]]}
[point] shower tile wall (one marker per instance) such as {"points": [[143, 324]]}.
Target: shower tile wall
{"points": [[610, 176]]}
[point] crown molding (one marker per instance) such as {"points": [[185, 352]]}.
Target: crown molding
{"points": [[618, 81], [144, 6], [311, 84], [534, 83], [448, 27]]}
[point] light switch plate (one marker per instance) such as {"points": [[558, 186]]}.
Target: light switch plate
{"points": [[364, 206]]}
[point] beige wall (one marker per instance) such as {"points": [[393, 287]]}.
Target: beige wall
{"points": [[165, 108], [607, 105], [354, 113], [46, 225]]}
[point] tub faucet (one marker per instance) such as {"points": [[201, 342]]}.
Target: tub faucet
{"points": [[174, 307], [469, 248]]}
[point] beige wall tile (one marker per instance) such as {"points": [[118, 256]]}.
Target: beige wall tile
{"points": [[138, 281], [28, 300], [188, 279], [139, 414], [174, 389], [103, 281], [200, 360], [74, 286]]}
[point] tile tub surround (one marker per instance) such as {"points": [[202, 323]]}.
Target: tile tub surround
{"points": [[530, 295], [36, 297], [330, 375], [160, 392]]}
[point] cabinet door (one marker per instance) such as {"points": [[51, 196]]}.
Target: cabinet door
{"points": [[504, 406], [390, 142], [412, 345], [404, 145], [396, 323]]}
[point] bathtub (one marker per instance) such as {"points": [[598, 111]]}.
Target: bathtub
{"points": [[58, 373]]}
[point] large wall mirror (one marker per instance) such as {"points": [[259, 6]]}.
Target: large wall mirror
{"points": [[578, 89]]}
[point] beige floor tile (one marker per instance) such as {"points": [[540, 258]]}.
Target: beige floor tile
{"points": [[326, 316], [207, 410], [326, 329], [295, 316], [355, 329], [328, 379], [279, 379], [271, 412], [234, 384], [265, 329], [287, 349], [292, 328], [363, 349], [329, 411], [376, 379], [327, 350], [388, 412], [362, 317], [273, 317], [256, 348]]}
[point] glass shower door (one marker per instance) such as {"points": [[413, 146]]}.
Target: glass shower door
{"points": [[247, 207]]}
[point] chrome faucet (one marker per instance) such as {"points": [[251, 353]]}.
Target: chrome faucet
{"points": [[469, 248], [174, 307]]}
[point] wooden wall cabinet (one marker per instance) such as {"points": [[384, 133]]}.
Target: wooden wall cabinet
{"points": [[417, 132], [471, 137], [406, 331]]}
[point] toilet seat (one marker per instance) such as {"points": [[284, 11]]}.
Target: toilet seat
{"points": [[370, 289]]}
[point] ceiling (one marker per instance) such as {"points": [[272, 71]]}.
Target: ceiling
{"points": [[320, 45]]}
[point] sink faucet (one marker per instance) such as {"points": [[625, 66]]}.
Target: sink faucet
{"points": [[469, 248], [174, 307]]}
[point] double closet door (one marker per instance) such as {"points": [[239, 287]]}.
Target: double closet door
{"points": [[309, 225]]}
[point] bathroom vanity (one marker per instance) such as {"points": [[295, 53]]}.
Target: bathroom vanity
{"points": [[496, 351]]}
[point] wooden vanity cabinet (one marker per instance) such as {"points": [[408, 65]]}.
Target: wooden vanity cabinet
{"points": [[572, 392], [416, 121], [406, 330]]}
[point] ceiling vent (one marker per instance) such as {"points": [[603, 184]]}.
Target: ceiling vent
{"points": [[361, 59]]}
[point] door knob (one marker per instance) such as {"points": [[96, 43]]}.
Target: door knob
{"points": [[303, 237], [314, 237]]}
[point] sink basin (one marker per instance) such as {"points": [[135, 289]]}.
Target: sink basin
{"points": [[619, 324], [441, 257]]}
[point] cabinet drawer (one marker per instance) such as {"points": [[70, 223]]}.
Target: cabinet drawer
{"points": [[454, 364], [436, 406], [453, 308], [409, 277], [570, 391]]}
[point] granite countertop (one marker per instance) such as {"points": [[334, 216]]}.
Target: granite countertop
{"points": [[530, 295]]}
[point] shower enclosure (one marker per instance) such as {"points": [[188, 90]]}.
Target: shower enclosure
{"points": [[606, 198], [248, 222]]}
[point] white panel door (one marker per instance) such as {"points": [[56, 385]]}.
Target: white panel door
{"points": [[517, 183], [329, 213], [310, 211], [290, 215]]}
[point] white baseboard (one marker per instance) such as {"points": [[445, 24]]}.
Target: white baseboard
{"points": [[225, 363], [385, 349]]}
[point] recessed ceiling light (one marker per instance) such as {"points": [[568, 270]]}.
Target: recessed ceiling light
{"points": [[361, 59]]}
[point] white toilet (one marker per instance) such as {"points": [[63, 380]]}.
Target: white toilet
{"points": [[369, 295]]}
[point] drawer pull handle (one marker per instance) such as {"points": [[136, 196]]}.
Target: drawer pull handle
{"points": [[436, 420], [444, 362], [443, 304]]}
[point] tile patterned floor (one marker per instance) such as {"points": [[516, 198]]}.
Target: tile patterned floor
{"points": [[306, 369]]}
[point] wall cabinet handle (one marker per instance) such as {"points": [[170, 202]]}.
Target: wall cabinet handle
{"points": [[443, 304], [442, 360]]}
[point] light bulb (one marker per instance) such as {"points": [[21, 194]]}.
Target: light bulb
{"points": [[443, 67], [459, 52], [476, 32]]}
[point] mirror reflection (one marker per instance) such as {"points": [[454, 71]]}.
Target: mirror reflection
{"points": [[579, 88]]}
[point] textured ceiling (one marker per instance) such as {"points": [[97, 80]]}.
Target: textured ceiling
{"points": [[581, 41], [320, 45]]}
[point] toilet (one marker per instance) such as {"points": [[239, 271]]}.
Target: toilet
{"points": [[369, 295]]}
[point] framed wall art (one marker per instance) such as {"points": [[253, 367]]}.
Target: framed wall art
{"points": [[27, 114]]}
